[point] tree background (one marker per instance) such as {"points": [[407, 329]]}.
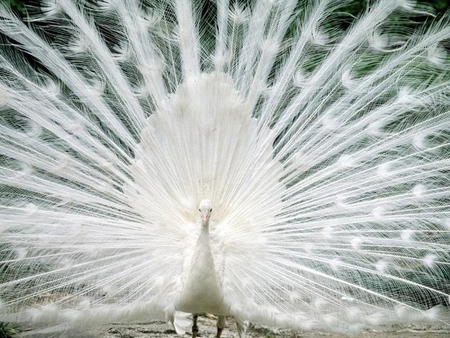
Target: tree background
{"points": [[439, 6]]}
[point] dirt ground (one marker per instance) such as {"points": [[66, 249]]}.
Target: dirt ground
{"points": [[207, 327]]}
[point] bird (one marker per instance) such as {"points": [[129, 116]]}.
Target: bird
{"points": [[202, 290], [284, 163]]}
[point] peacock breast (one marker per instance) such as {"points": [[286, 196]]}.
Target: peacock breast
{"points": [[202, 290]]}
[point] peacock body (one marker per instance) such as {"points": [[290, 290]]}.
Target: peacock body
{"points": [[317, 142]]}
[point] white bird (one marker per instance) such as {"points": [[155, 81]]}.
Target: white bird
{"points": [[283, 163], [202, 290]]}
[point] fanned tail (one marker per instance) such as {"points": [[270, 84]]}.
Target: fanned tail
{"points": [[323, 142]]}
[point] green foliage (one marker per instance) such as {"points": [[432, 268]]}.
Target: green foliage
{"points": [[355, 7], [17, 4], [7, 331], [440, 4]]}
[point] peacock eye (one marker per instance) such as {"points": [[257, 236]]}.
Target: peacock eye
{"points": [[200, 210], [210, 210]]}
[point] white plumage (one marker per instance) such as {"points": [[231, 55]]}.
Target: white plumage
{"points": [[320, 141]]}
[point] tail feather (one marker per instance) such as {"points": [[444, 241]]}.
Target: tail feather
{"points": [[182, 322]]}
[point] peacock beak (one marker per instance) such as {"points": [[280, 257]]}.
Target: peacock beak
{"points": [[204, 216]]}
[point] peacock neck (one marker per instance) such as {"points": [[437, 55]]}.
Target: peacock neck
{"points": [[203, 242], [203, 247], [205, 228], [202, 291]]}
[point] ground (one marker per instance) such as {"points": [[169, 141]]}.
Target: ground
{"points": [[208, 330]]}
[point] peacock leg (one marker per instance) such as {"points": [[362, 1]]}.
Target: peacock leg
{"points": [[220, 325], [194, 326]]}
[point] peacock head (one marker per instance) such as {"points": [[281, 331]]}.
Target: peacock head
{"points": [[205, 209]]}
